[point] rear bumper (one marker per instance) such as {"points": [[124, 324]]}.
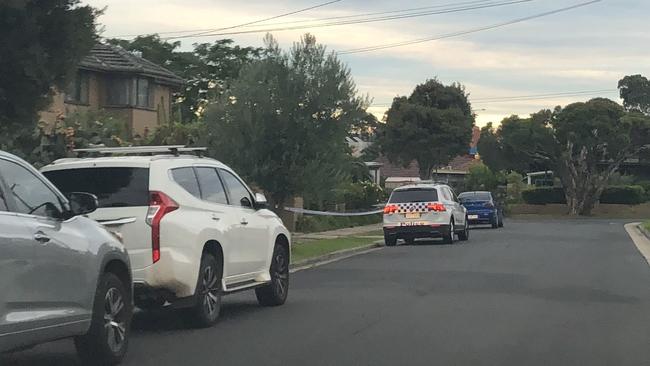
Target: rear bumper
{"points": [[176, 273], [414, 232], [482, 217]]}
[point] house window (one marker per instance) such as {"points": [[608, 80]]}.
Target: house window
{"points": [[77, 90], [143, 95], [134, 92], [118, 92]]}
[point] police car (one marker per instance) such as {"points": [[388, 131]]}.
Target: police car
{"points": [[424, 211]]}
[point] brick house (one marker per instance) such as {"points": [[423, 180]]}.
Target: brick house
{"points": [[112, 79]]}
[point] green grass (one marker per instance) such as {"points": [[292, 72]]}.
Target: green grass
{"points": [[312, 224], [646, 225], [301, 251]]}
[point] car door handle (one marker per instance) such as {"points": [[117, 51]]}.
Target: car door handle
{"points": [[215, 217], [244, 222], [41, 237]]}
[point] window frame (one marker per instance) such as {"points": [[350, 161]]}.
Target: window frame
{"points": [[223, 185], [196, 178], [133, 92], [10, 199], [80, 83], [229, 194]]}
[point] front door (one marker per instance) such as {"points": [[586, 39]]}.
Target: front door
{"points": [[250, 231], [56, 286]]}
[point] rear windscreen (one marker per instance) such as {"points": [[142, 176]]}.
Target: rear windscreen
{"points": [[114, 187], [475, 196], [414, 195]]}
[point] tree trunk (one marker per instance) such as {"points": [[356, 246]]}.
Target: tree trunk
{"points": [[425, 171], [583, 184]]}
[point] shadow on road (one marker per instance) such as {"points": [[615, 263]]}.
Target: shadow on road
{"points": [[62, 353]]}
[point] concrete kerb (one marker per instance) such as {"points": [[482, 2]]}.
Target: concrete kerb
{"points": [[335, 256], [641, 239]]}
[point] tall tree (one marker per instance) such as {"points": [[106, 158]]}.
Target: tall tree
{"points": [[284, 120], [584, 143], [431, 126], [209, 68], [594, 138], [42, 41], [635, 92]]}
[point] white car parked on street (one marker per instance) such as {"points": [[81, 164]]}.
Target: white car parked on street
{"points": [[192, 227], [424, 211]]}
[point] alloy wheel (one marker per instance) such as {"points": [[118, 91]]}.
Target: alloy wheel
{"points": [[210, 291], [114, 319], [280, 273]]}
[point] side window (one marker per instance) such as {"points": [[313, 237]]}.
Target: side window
{"points": [[237, 190], [31, 195], [454, 196], [445, 193], [186, 178], [3, 200], [211, 187]]}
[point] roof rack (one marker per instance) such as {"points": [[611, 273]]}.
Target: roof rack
{"points": [[132, 150]]}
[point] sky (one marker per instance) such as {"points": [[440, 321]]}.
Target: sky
{"points": [[584, 50]]}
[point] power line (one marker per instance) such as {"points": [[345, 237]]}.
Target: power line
{"points": [[360, 21], [542, 97], [321, 19], [516, 98], [382, 12], [244, 24], [465, 32]]}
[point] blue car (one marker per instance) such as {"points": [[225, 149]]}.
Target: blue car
{"points": [[482, 209]]}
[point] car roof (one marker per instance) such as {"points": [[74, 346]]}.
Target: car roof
{"points": [[475, 193], [128, 161], [419, 186]]}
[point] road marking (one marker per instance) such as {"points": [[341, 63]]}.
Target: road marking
{"points": [[642, 243]]}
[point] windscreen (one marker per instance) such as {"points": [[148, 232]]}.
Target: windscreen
{"points": [[114, 187], [475, 196], [414, 195]]}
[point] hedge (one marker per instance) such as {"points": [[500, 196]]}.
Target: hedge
{"points": [[544, 195], [625, 195]]}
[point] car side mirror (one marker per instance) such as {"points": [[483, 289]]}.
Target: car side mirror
{"points": [[82, 203], [246, 202], [260, 201]]}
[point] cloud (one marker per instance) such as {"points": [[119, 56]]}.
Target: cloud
{"points": [[585, 49]]}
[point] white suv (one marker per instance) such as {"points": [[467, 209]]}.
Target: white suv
{"points": [[424, 211], [193, 229]]}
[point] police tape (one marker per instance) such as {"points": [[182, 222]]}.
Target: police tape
{"points": [[327, 213]]}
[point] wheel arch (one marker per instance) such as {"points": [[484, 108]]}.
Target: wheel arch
{"points": [[214, 248]]}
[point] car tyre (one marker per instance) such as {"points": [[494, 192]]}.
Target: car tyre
{"points": [[464, 235], [276, 292], [390, 241], [207, 306], [448, 238], [107, 340]]}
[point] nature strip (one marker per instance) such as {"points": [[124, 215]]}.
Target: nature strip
{"points": [[327, 213]]}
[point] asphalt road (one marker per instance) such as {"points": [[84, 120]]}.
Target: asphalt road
{"points": [[534, 293]]}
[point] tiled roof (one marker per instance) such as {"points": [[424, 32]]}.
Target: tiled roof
{"points": [[109, 58], [389, 169], [463, 163]]}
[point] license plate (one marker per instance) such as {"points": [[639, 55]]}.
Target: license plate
{"points": [[412, 224], [413, 215], [472, 217]]}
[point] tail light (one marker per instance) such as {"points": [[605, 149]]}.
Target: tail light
{"points": [[390, 209], [159, 205], [436, 206]]}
